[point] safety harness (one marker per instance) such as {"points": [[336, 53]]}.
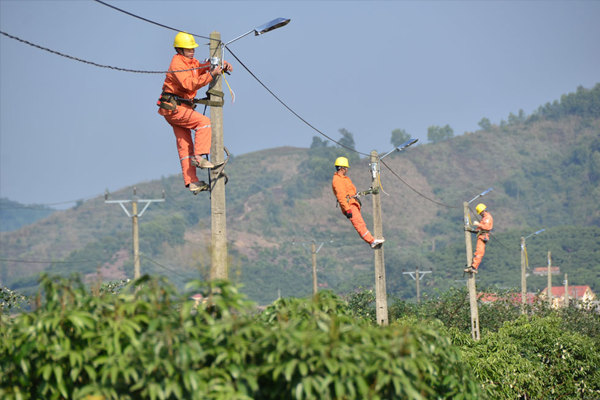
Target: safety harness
{"points": [[170, 101]]}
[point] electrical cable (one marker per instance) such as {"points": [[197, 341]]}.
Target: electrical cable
{"points": [[54, 262], [96, 64], [292, 111], [150, 21], [166, 268], [414, 190]]}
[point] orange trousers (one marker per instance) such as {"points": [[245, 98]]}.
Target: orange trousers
{"points": [[183, 122], [479, 250], [359, 224]]}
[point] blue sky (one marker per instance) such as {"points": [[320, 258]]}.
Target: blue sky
{"points": [[69, 130]]}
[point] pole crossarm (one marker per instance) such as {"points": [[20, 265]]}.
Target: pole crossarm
{"points": [[421, 274]]}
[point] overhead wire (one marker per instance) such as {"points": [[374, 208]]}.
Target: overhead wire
{"points": [[94, 63], [415, 190], [150, 21], [166, 268]]}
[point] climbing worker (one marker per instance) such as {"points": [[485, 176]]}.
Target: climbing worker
{"points": [[177, 105], [482, 229], [344, 191]]}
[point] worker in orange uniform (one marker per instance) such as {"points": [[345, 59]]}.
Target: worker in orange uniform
{"points": [[177, 105], [482, 229], [344, 191]]}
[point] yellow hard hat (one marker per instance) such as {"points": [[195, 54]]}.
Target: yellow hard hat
{"points": [[185, 41], [480, 207], [341, 162]]}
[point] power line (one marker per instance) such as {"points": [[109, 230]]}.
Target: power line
{"points": [[53, 262], [166, 268], [150, 21], [292, 111], [96, 64], [415, 190]]}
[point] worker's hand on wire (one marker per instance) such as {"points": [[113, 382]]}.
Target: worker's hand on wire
{"points": [[227, 67], [349, 214], [216, 71], [475, 223]]}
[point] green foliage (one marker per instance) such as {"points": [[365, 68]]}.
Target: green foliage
{"points": [[584, 102], [399, 136], [536, 358], [14, 215], [485, 124], [437, 134], [151, 344]]}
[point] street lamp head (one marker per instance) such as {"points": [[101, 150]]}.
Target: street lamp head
{"points": [[271, 25], [540, 231]]}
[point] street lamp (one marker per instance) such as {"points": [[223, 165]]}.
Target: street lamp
{"points": [[524, 265]]}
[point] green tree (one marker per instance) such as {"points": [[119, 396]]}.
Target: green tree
{"points": [[399, 136], [437, 134], [347, 139], [485, 124]]}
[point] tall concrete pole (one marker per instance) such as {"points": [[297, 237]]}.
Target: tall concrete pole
{"points": [[471, 284], [219, 269], [549, 279], [314, 267], [134, 218], [566, 290], [380, 289], [136, 239], [418, 288], [523, 276]]}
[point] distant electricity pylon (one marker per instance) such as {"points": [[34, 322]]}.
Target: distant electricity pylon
{"points": [[417, 276], [314, 252], [134, 217]]}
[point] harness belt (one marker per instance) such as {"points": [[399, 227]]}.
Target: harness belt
{"points": [[170, 101]]}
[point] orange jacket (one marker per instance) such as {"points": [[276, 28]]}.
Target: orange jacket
{"points": [[343, 188], [186, 84], [487, 222]]}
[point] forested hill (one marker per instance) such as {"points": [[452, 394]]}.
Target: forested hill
{"points": [[544, 168]]}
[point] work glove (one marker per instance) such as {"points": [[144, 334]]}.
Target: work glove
{"points": [[349, 214]]}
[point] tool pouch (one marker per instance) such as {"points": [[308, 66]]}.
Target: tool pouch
{"points": [[167, 101]]}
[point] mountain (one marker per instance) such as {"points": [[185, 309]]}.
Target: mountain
{"points": [[544, 168], [14, 215]]}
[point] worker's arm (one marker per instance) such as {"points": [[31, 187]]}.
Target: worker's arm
{"points": [[190, 81]]}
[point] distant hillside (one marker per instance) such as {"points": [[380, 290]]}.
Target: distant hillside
{"points": [[14, 215], [545, 172]]}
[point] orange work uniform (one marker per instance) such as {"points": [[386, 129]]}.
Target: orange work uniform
{"points": [[183, 119], [344, 189], [486, 225]]}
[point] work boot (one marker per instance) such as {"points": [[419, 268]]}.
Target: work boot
{"points": [[375, 244], [197, 187], [203, 163], [470, 269]]}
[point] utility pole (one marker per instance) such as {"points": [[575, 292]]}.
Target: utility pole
{"points": [[134, 218], [471, 285], [313, 250], [416, 277], [549, 280], [566, 290], [218, 268], [380, 289], [523, 276]]}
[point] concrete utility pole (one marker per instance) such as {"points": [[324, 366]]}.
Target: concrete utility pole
{"points": [[566, 290], [380, 289], [471, 285], [134, 218], [416, 277], [523, 277], [314, 251], [218, 268], [549, 279], [524, 265]]}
